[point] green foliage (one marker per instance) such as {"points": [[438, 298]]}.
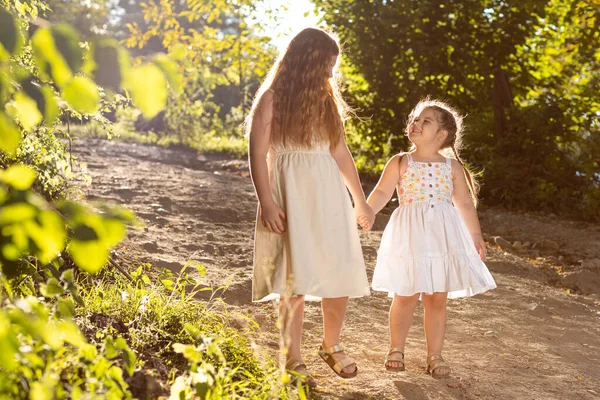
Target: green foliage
{"points": [[88, 18], [223, 58], [43, 353], [52, 66], [45, 357], [208, 375], [406, 50], [539, 134], [192, 341], [29, 226], [48, 155]]}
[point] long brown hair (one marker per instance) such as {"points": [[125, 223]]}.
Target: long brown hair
{"points": [[307, 104], [451, 121]]}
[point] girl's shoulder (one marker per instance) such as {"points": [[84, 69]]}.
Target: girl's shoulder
{"points": [[402, 158], [456, 167], [265, 103], [399, 161], [268, 95]]}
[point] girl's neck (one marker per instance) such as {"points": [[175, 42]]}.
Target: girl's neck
{"points": [[427, 155]]}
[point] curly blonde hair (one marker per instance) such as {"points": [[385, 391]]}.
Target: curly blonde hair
{"points": [[307, 103]]}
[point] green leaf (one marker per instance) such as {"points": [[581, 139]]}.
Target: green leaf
{"points": [[44, 98], [170, 69], [11, 39], [189, 352], [18, 176], [48, 234], [71, 334], [110, 350], [51, 288], [39, 391], [168, 284], [128, 355], [67, 43], [82, 94], [9, 345], [110, 63], [16, 213], [27, 111], [51, 110], [84, 233], [10, 135], [94, 237], [89, 351], [201, 269], [201, 389], [178, 52], [48, 332], [114, 231], [148, 88], [193, 331], [10, 252], [66, 307], [20, 8], [90, 256], [57, 53], [68, 276]]}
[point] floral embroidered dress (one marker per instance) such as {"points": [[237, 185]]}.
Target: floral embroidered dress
{"points": [[426, 246]]}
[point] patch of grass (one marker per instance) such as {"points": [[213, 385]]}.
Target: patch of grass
{"points": [[209, 142], [176, 337]]}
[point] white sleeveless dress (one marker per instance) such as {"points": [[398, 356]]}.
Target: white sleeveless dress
{"points": [[320, 254], [426, 246]]}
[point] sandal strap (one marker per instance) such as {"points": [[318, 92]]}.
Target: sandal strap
{"points": [[436, 361], [395, 350], [338, 348], [391, 357], [343, 363], [434, 357], [294, 365], [438, 364]]}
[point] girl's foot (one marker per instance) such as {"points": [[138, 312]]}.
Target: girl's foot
{"points": [[394, 360], [437, 367], [340, 363], [299, 368]]}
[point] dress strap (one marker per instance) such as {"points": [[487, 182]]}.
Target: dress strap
{"points": [[409, 157], [448, 162]]}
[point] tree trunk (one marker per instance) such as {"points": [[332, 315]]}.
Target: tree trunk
{"points": [[502, 97]]}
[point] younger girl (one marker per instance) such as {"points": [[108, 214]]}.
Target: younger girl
{"points": [[432, 247], [306, 242]]}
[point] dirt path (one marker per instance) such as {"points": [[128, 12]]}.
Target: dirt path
{"points": [[535, 337]]}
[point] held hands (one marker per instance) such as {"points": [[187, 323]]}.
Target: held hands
{"points": [[365, 216], [480, 245], [273, 218]]}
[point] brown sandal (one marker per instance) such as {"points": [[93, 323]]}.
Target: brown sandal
{"points": [[337, 366], [435, 362], [300, 372], [390, 357]]}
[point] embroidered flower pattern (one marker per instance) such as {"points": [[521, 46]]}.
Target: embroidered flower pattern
{"points": [[425, 181]]}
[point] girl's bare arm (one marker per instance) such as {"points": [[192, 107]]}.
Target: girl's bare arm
{"points": [[260, 139], [384, 189], [461, 197], [345, 163]]}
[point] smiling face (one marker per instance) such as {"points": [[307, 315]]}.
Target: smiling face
{"points": [[425, 129]]}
